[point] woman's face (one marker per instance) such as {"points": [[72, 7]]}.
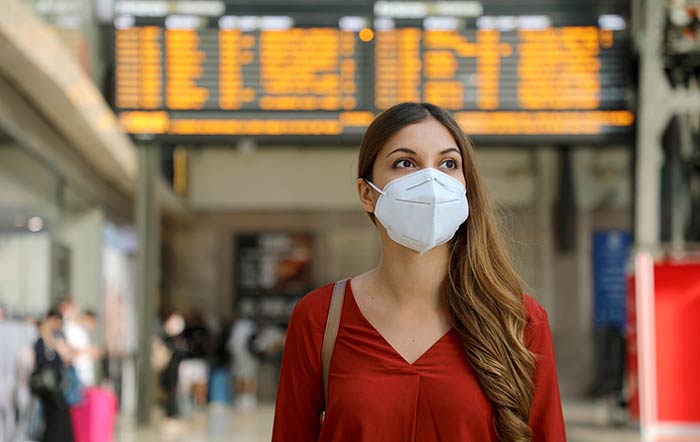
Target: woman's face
{"points": [[418, 146], [174, 325]]}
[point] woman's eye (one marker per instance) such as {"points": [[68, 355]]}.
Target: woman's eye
{"points": [[449, 164], [403, 164]]}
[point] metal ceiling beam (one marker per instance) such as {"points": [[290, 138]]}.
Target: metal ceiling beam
{"points": [[39, 69], [19, 119]]}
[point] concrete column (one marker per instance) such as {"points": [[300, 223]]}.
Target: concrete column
{"points": [[81, 232], [544, 166], [657, 103], [148, 228]]}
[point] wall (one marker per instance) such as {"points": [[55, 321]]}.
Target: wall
{"points": [[303, 189], [25, 272], [199, 258], [81, 232], [275, 184], [272, 179], [307, 179], [26, 185], [27, 189]]}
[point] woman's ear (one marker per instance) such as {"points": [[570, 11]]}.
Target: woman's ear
{"points": [[366, 194]]}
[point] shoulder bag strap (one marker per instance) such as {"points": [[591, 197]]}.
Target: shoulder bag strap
{"points": [[332, 325]]}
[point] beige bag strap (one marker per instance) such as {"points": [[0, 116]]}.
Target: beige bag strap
{"points": [[332, 325]]}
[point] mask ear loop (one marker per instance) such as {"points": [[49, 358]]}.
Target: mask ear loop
{"points": [[374, 187]]}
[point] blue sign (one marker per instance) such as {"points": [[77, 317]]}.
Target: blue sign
{"points": [[611, 251]]}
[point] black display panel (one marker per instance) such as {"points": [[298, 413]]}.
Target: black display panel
{"points": [[555, 71]]}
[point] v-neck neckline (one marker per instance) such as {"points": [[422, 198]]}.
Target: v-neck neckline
{"points": [[388, 344]]}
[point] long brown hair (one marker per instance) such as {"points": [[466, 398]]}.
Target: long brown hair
{"points": [[484, 292]]}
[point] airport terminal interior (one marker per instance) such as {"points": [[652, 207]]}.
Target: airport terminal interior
{"points": [[176, 175]]}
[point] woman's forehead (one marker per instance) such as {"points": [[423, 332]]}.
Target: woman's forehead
{"points": [[426, 137]]}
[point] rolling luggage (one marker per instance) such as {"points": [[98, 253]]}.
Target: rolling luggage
{"points": [[94, 418]]}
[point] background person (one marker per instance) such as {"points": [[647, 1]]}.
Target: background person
{"points": [[78, 331], [51, 356], [194, 369], [245, 364], [174, 340]]}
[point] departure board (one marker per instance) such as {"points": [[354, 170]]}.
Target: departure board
{"points": [[553, 77], [313, 69]]}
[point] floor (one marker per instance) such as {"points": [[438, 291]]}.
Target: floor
{"points": [[586, 422]]}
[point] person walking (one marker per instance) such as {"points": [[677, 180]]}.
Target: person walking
{"points": [[177, 346], [245, 364], [51, 356]]}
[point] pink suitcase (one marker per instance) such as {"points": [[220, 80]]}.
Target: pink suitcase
{"points": [[93, 419]]}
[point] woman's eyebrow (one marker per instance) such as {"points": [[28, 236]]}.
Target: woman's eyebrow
{"points": [[401, 149], [409, 151]]}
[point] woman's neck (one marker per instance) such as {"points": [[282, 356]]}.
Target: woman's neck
{"points": [[408, 277]]}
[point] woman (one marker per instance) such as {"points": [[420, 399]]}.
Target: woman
{"points": [[438, 342], [174, 340], [194, 369], [245, 365], [51, 356]]}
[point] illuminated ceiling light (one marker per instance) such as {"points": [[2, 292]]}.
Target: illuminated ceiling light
{"points": [[248, 23], [486, 22], [441, 23], [35, 224], [612, 22], [422, 9], [384, 24], [534, 22], [275, 23], [459, 8], [506, 23], [142, 8], [401, 9], [201, 7], [352, 23], [182, 22], [124, 22], [228, 22], [366, 35]]}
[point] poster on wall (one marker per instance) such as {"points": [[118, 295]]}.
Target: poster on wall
{"points": [[611, 251], [273, 270]]}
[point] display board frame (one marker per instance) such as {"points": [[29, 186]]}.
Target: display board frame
{"points": [[345, 127]]}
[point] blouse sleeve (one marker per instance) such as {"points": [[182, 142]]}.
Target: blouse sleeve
{"points": [[300, 392], [546, 419]]}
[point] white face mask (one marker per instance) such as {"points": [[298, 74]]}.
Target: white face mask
{"points": [[422, 210]]}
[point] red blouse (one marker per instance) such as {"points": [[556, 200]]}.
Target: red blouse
{"points": [[375, 395]]}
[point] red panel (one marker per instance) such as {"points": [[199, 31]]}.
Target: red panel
{"points": [[631, 362], [677, 295]]}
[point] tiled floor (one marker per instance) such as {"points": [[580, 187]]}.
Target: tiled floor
{"points": [[585, 423], [214, 425], [590, 422]]}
